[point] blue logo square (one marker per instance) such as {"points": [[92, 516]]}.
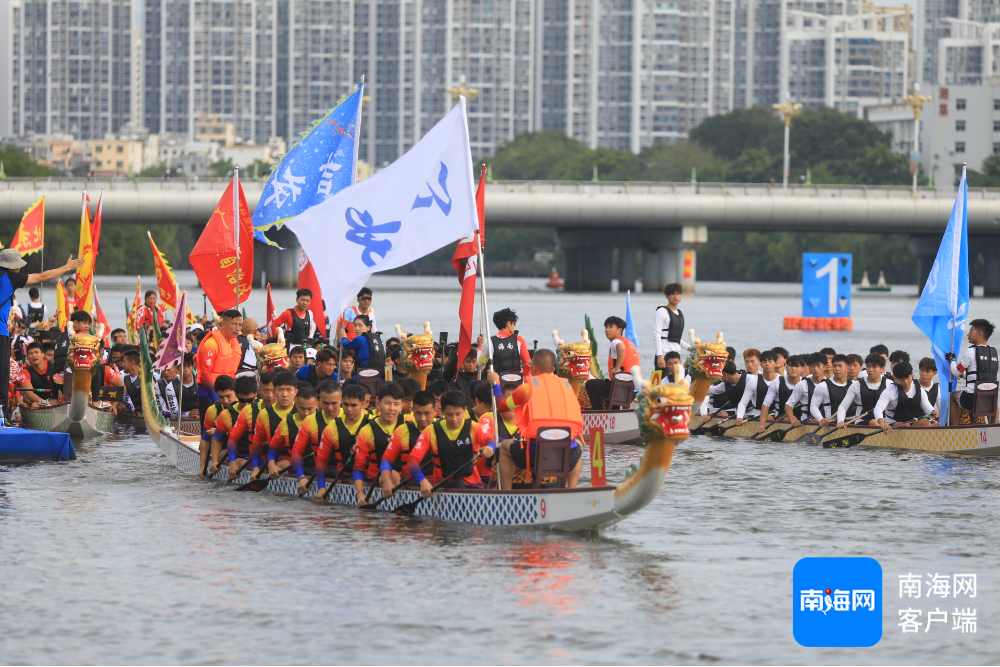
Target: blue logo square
{"points": [[837, 602]]}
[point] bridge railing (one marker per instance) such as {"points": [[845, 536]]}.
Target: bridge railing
{"points": [[532, 187]]}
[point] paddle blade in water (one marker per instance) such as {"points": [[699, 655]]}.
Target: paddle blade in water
{"points": [[255, 485], [847, 440]]}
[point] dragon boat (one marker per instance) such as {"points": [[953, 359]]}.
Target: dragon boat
{"points": [[664, 410], [77, 417], [968, 439]]}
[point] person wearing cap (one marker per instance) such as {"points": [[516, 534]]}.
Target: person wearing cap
{"points": [[218, 354], [364, 307], [11, 279], [248, 353]]}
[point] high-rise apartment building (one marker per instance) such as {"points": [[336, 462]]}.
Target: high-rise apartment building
{"points": [[71, 67]]}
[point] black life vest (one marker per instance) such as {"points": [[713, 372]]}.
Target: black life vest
{"points": [[315, 380], [300, 327], [907, 409], [345, 438], [274, 421], [869, 397], [35, 313], [675, 326], [376, 353], [244, 368], [506, 357], [784, 393], [732, 392], [381, 439], [762, 387], [932, 393], [132, 388], [836, 395], [43, 380], [243, 444], [414, 436], [987, 365], [61, 352], [293, 429], [189, 397], [454, 454], [803, 410], [162, 384]]}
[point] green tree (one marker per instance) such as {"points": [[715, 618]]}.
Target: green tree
{"points": [[728, 135], [988, 177], [16, 163], [536, 156], [754, 165], [160, 170], [221, 168], [672, 162]]}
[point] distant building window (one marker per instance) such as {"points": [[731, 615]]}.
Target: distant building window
{"points": [[996, 126], [942, 109], [943, 94], [996, 148], [121, 149], [959, 146], [100, 149], [120, 164], [960, 126], [996, 105], [960, 105]]}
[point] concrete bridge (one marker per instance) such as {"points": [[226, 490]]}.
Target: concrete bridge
{"points": [[607, 230]]}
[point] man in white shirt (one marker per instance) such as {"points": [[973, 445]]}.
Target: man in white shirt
{"points": [[784, 387], [902, 401], [831, 393], [978, 363], [864, 392], [674, 372], [760, 389], [798, 403], [668, 325], [726, 394], [927, 372]]}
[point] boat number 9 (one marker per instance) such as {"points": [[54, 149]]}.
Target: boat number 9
{"points": [[541, 504]]}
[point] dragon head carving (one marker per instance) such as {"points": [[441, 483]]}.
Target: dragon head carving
{"points": [[707, 359], [84, 349], [418, 349], [574, 358], [664, 410], [273, 356]]}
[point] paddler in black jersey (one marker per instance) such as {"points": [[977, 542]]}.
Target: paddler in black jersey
{"points": [[42, 373], [864, 392], [507, 351], [798, 403], [668, 325], [726, 394], [311, 430], [831, 392], [297, 321], [978, 363]]}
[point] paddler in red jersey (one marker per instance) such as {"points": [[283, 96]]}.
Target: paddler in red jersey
{"points": [[269, 419], [404, 439], [218, 354], [279, 454], [451, 446], [545, 400], [483, 410], [242, 431], [339, 437], [224, 388], [307, 441], [373, 438], [507, 350], [622, 356], [246, 397]]}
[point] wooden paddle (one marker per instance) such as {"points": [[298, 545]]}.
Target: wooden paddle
{"points": [[371, 506], [262, 482], [777, 435], [855, 438], [340, 471], [242, 468], [408, 508], [704, 426], [815, 437]]}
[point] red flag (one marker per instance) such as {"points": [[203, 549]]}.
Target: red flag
{"points": [[102, 319], [30, 236], [214, 256], [96, 225], [309, 281], [270, 313], [464, 262]]}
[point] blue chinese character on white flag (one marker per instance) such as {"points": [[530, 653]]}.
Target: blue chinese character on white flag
{"points": [[321, 164], [421, 202]]}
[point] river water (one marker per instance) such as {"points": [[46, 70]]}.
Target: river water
{"points": [[118, 557]]}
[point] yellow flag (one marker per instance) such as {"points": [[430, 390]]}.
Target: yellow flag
{"points": [[85, 274], [61, 306]]}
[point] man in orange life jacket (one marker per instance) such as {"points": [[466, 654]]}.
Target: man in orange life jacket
{"points": [[297, 321], [621, 358], [218, 354], [546, 400]]}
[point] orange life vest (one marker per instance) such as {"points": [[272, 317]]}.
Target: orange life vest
{"points": [[631, 355], [552, 404]]}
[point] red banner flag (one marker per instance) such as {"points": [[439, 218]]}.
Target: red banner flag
{"points": [[309, 281], [464, 261], [102, 319], [214, 256], [30, 236], [165, 281], [270, 312]]}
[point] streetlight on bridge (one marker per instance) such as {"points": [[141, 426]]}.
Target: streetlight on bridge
{"points": [[787, 110], [916, 101]]}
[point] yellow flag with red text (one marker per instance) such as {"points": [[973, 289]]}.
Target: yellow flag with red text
{"points": [[166, 283], [61, 314], [85, 274]]}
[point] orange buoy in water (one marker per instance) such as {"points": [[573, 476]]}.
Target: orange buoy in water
{"points": [[554, 281]]}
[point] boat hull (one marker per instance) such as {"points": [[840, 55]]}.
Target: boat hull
{"points": [[620, 426], [188, 426], [972, 440], [56, 419], [582, 508]]}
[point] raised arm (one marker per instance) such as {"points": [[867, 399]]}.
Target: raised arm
{"points": [[70, 265]]}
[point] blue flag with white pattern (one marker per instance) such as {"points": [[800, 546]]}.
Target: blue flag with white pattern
{"points": [[321, 164], [944, 304]]}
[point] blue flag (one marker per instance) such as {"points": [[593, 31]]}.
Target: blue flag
{"points": [[630, 332], [944, 304], [321, 164]]}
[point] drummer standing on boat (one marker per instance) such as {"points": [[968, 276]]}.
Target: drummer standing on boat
{"points": [[668, 325], [11, 279]]}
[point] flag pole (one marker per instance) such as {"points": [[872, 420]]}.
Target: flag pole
{"points": [[236, 228], [484, 324]]}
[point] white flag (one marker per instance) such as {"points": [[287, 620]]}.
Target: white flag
{"points": [[421, 202]]}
